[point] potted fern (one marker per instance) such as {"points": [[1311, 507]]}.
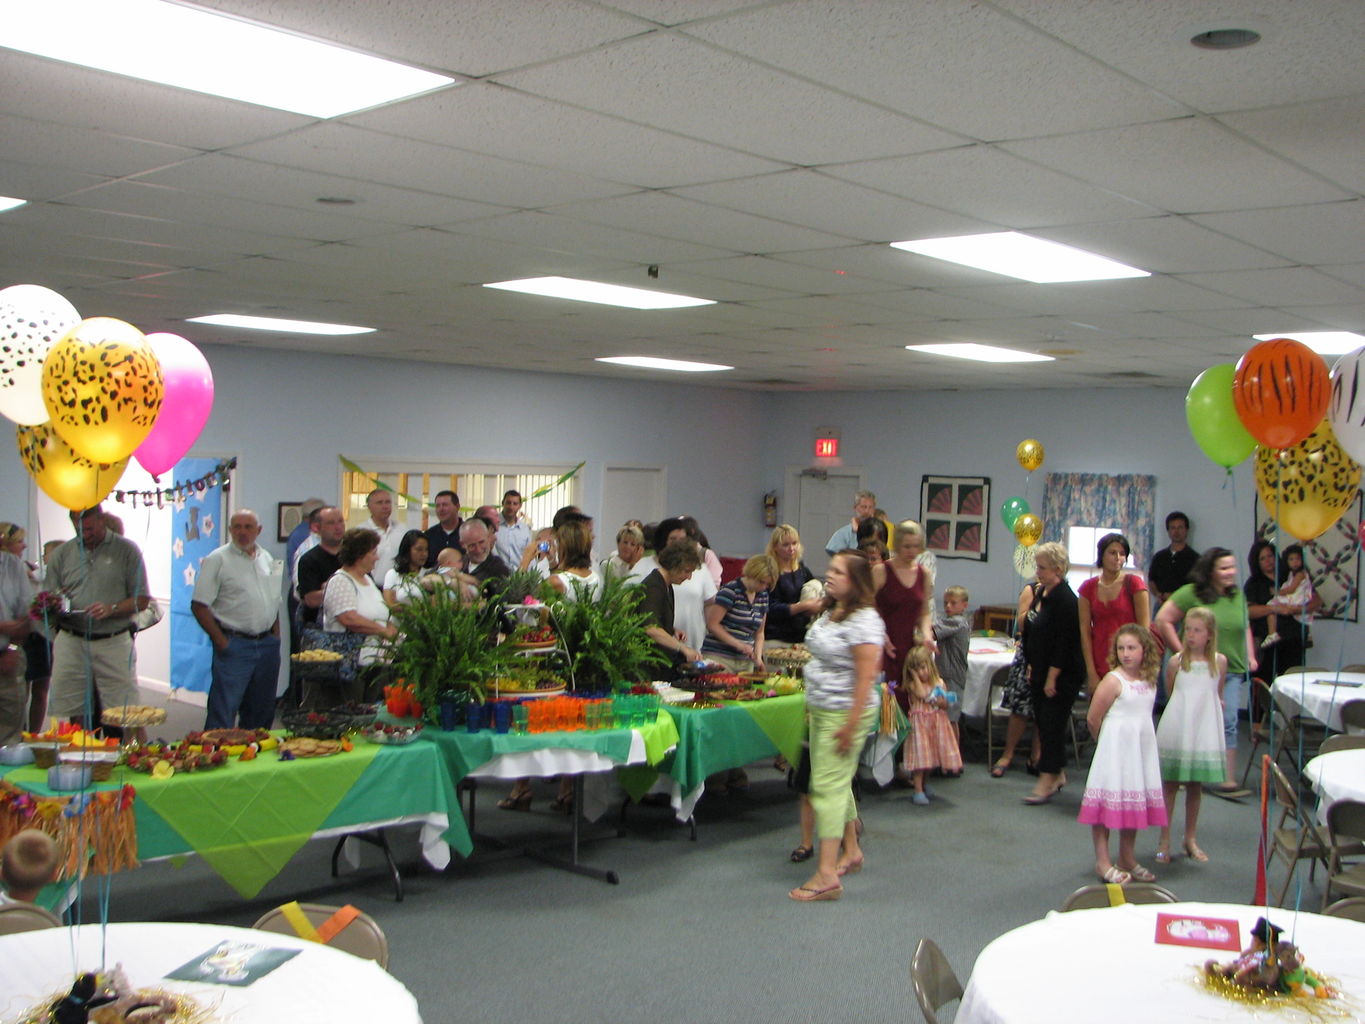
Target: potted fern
{"points": [[604, 634]]}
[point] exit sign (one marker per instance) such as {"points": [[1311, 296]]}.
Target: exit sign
{"points": [[826, 447]]}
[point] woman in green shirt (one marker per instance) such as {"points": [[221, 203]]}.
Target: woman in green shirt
{"points": [[1214, 586]]}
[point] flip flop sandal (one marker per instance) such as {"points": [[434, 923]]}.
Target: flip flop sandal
{"points": [[1113, 876], [802, 853], [804, 895]]}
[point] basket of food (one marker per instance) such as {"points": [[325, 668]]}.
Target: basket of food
{"points": [[317, 725], [362, 715], [389, 734], [786, 657], [316, 664], [100, 762], [133, 716]]}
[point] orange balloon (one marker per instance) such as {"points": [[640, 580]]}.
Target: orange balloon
{"points": [[1281, 391]]}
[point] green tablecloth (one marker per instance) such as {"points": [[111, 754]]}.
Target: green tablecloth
{"points": [[248, 819]]}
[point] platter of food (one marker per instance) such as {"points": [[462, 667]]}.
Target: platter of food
{"points": [[133, 716], [304, 746], [388, 734]]}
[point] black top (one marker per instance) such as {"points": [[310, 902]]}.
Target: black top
{"points": [[491, 568], [657, 603], [782, 624], [316, 566], [438, 540], [1170, 570], [1052, 639]]}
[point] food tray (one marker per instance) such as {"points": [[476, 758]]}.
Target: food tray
{"points": [[305, 746], [317, 725], [134, 716], [394, 739]]}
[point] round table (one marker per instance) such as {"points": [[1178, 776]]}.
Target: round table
{"points": [[1104, 965], [985, 654], [1336, 776], [321, 984], [1320, 695]]}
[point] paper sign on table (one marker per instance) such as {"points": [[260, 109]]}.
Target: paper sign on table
{"points": [[1205, 932], [232, 963]]}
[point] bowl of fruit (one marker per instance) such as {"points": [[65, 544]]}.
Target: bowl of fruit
{"points": [[393, 735]]}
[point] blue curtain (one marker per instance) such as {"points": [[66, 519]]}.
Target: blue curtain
{"points": [[196, 529], [1127, 502]]}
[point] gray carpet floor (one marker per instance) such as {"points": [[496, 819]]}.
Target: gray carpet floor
{"points": [[703, 931]]}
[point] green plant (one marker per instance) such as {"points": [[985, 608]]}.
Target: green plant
{"points": [[604, 633], [521, 584], [447, 647]]}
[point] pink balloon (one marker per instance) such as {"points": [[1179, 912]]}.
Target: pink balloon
{"points": [[184, 409]]}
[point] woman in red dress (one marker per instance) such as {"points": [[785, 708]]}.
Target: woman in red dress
{"points": [[1105, 602], [905, 600]]}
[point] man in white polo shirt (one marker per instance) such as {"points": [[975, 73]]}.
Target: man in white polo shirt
{"points": [[380, 504], [237, 602]]}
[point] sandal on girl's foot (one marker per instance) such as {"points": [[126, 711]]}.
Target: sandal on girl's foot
{"points": [[999, 769], [803, 894], [1113, 876], [1193, 851], [1163, 854], [562, 804], [1140, 874], [802, 853], [516, 802]]}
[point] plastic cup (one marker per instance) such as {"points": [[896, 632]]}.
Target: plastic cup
{"points": [[473, 716], [521, 718], [502, 717]]}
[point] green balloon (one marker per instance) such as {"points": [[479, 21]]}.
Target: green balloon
{"points": [[1012, 509], [1213, 420]]}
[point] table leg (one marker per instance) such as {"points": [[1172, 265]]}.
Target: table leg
{"points": [[379, 839]]}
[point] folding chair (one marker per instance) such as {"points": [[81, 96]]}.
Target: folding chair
{"points": [[1341, 742], [344, 928], [935, 983], [1295, 837], [998, 680], [1353, 715], [1345, 835], [1352, 908], [1090, 897], [25, 917]]}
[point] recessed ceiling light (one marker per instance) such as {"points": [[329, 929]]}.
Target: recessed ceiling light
{"points": [[981, 353], [266, 323], [1326, 343], [1022, 256], [8, 203], [599, 291], [1226, 38], [654, 363], [211, 53]]}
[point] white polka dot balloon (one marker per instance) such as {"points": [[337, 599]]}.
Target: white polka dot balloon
{"points": [[32, 319]]}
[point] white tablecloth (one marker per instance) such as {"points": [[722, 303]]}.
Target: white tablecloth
{"points": [[321, 984], [1336, 776], [985, 655], [1320, 695], [1103, 965]]}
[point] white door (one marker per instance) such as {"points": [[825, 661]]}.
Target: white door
{"points": [[628, 492], [821, 503]]}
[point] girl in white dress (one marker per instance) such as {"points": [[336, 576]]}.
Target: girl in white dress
{"points": [[1123, 790], [1190, 736]]}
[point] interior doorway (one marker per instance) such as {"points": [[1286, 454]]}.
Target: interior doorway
{"points": [[629, 492], [821, 502]]}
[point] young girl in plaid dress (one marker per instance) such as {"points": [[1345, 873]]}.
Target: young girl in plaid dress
{"points": [[931, 743]]}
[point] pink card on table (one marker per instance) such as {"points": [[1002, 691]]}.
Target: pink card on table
{"points": [[1206, 932]]}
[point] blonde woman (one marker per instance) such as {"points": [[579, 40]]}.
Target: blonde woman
{"points": [[1056, 665], [736, 616], [788, 614], [905, 600]]}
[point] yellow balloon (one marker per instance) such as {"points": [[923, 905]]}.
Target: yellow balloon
{"points": [[102, 385], [1030, 454], [1028, 528], [1307, 487], [69, 479]]}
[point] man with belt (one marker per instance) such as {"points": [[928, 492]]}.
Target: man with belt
{"points": [[237, 602], [104, 581]]}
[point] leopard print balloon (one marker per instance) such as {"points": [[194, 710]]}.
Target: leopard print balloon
{"points": [[1307, 487], [103, 386], [32, 319], [71, 480]]}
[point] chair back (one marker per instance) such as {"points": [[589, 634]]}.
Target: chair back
{"points": [[1341, 742], [1353, 668], [935, 983], [361, 937], [1353, 713], [1090, 897], [1285, 794], [1346, 818], [25, 917], [1352, 908]]}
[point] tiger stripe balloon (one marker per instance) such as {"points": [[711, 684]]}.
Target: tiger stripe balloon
{"points": [[1308, 486], [1348, 403], [1281, 392], [103, 387]]}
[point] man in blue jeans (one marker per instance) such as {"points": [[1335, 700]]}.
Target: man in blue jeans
{"points": [[237, 602]]}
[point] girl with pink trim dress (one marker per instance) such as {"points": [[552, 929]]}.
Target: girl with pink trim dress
{"points": [[931, 743], [1123, 790]]}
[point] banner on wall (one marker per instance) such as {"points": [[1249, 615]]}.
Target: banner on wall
{"points": [[197, 527]]}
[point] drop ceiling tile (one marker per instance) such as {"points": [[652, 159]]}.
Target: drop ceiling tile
{"points": [[1336, 317], [1320, 233], [676, 83], [895, 266], [937, 304], [35, 184], [1291, 286], [677, 12], [550, 231], [839, 207], [1351, 273], [1188, 165], [959, 65], [1164, 245], [1149, 326], [472, 37], [783, 274], [1327, 137], [490, 118], [680, 279], [348, 152], [1307, 51], [92, 151], [218, 174], [464, 259], [1238, 323]]}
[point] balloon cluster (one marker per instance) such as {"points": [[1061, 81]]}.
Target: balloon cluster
{"points": [[1016, 513], [90, 394], [1305, 424]]}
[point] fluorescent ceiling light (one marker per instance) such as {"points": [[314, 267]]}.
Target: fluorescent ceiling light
{"points": [[981, 353], [265, 323], [210, 53], [598, 291], [1326, 343], [653, 363], [8, 203], [1022, 256]]}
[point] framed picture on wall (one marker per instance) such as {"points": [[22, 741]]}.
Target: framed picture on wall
{"points": [[290, 514], [954, 511]]}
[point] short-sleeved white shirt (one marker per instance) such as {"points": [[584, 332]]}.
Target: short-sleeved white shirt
{"points": [[344, 594], [242, 591], [829, 673]]}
